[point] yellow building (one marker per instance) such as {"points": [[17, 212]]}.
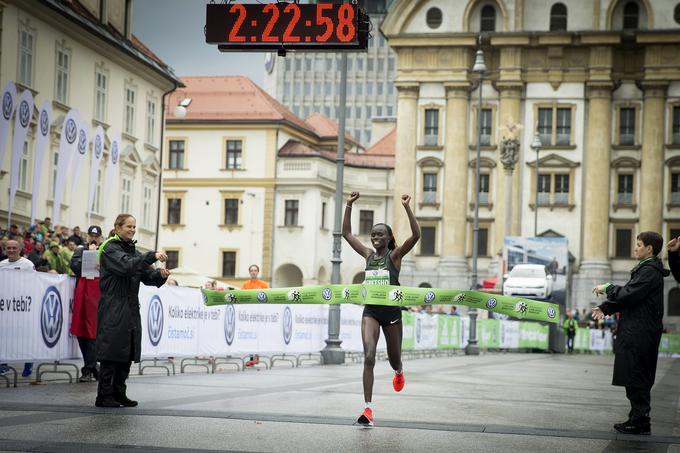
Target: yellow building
{"points": [[599, 80]]}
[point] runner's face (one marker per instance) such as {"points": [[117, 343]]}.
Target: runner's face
{"points": [[379, 237]]}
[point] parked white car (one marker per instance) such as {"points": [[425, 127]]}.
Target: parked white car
{"points": [[528, 280]]}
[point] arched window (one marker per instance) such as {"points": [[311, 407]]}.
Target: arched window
{"points": [[434, 18], [488, 19], [631, 16], [558, 17]]}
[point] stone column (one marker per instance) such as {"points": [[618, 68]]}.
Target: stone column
{"points": [[405, 168], [651, 169], [453, 267]]}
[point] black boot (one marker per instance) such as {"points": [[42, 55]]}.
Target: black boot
{"points": [[106, 401], [125, 401], [644, 428]]}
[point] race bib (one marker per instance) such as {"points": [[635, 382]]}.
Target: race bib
{"points": [[377, 277]]}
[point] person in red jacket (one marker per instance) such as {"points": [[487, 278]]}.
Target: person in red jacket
{"points": [[85, 304]]}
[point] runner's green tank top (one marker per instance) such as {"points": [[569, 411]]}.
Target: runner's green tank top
{"points": [[381, 271]]}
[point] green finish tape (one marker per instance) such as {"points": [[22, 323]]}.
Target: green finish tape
{"points": [[387, 295]]}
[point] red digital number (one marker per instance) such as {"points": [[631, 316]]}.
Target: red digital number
{"points": [[288, 34], [266, 35], [346, 30], [233, 34], [322, 20]]}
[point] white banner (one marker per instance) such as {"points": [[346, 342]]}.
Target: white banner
{"points": [[600, 340], [78, 158], [97, 153], [67, 143], [112, 169], [44, 125], [21, 123], [509, 334], [35, 316], [426, 331], [9, 96]]}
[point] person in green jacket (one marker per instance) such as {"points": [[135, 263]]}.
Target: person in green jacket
{"points": [[570, 326], [66, 253], [54, 258]]}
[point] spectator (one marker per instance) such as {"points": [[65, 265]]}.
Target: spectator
{"points": [[119, 325], [254, 282], [66, 253], [13, 231], [29, 242], [3, 246], [55, 260], [36, 256], [85, 305], [16, 262], [211, 284], [453, 311], [45, 227], [76, 236], [570, 326]]}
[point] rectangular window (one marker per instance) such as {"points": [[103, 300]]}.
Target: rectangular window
{"points": [[357, 113], [483, 189], [101, 87], [130, 101], [96, 202], [147, 207], [543, 189], [173, 259], [486, 127], [627, 126], [26, 41], [24, 168], [365, 221], [174, 211], [379, 86], [561, 189], [308, 64], [307, 88], [623, 243], [125, 194], [62, 73], [234, 154], [328, 89], [675, 188], [369, 88], [360, 89], [323, 214], [176, 158], [676, 125], [291, 214], [427, 240], [228, 264], [151, 121], [545, 125], [563, 127], [429, 188], [360, 63], [317, 88], [483, 242], [431, 127], [55, 164], [625, 190], [231, 211], [369, 64], [298, 90], [329, 64]]}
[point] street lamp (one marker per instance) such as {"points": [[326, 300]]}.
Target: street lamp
{"points": [[536, 146], [479, 67]]}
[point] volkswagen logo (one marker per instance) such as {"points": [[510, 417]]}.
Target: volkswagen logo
{"points": [[51, 317], [262, 297], [44, 123], [326, 294], [229, 324], [82, 141], [24, 113], [551, 312], [71, 131], [114, 153], [287, 321], [155, 320], [491, 303], [98, 146], [429, 297], [363, 292], [7, 106]]}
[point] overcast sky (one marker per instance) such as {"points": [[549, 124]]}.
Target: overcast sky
{"points": [[173, 30]]}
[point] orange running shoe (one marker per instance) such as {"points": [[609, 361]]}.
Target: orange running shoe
{"points": [[366, 418], [398, 381]]}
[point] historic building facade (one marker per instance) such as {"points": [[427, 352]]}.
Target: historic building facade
{"points": [[599, 80]]}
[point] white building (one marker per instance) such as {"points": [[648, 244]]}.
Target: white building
{"points": [[246, 182], [80, 55]]}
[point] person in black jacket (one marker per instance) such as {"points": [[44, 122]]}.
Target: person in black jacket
{"points": [[119, 328], [640, 304]]}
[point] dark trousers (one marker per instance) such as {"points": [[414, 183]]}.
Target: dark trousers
{"points": [[87, 349], [570, 342], [640, 404], [112, 377]]}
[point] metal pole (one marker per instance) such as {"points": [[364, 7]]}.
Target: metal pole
{"points": [[536, 200], [333, 353], [471, 348]]}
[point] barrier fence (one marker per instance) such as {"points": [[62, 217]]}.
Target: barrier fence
{"points": [[35, 314]]}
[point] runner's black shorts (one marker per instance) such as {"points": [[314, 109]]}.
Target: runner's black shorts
{"points": [[385, 315]]}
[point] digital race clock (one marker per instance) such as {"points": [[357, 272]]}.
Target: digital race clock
{"points": [[271, 26]]}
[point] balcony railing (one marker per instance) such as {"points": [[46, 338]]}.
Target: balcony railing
{"points": [[626, 139], [625, 199], [431, 140], [429, 197]]}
